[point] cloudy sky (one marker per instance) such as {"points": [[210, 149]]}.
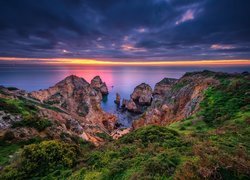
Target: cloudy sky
{"points": [[125, 30]]}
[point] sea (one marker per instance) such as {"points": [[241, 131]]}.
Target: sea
{"points": [[119, 79]]}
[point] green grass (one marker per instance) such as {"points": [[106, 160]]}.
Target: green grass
{"points": [[15, 106], [225, 101], [6, 150], [190, 125]]}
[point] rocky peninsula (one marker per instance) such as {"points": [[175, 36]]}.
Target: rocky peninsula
{"points": [[195, 127]]}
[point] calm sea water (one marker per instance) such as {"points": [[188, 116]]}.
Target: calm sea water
{"points": [[120, 80]]}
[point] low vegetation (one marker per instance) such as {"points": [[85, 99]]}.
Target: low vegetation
{"points": [[33, 121], [38, 160], [18, 107]]}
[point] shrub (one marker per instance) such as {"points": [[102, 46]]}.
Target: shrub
{"points": [[153, 135], [116, 168], [33, 121], [41, 159], [161, 165], [104, 136]]}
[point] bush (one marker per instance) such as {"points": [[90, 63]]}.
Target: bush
{"points": [[161, 165], [104, 136], [38, 160], [153, 135], [33, 121]]}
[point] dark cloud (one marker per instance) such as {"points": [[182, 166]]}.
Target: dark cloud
{"points": [[126, 29]]}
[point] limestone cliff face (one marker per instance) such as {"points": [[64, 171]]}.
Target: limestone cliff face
{"points": [[176, 100], [73, 103], [164, 86], [73, 94], [80, 100]]}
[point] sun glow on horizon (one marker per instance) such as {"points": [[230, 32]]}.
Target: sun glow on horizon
{"points": [[82, 61]]}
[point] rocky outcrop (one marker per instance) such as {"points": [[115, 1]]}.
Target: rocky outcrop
{"points": [[72, 105], [142, 94], [98, 85], [120, 132], [73, 94], [81, 103], [7, 119], [139, 99], [131, 106], [118, 99], [164, 86], [124, 103], [180, 99]]}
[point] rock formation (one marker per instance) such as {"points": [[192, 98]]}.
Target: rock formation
{"points": [[179, 100], [73, 103], [97, 84], [163, 87], [118, 99], [139, 99], [142, 94], [73, 94], [7, 119], [131, 106]]}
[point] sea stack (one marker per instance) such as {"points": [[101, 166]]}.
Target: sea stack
{"points": [[118, 99], [99, 85], [142, 94]]}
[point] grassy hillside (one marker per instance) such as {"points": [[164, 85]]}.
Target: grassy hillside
{"points": [[212, 144]]}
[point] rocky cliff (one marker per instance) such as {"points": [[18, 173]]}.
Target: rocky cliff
{"points": [[175, 100], [73, 105], [164, 86]]}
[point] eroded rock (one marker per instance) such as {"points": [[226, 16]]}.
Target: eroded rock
{"points": [[163, 87], [142, 94], [118, 99], [7, 119], [99, 85], [178, 100]]}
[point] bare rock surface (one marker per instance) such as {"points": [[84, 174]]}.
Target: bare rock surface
{"points": [[99, 85], [164, 86], [176, 100], [7, 119], [142, 94]]}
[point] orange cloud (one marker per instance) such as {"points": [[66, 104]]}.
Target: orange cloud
{"points": [[129, 63]]}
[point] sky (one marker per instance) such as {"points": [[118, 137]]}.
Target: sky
{"points": [[131, 31]]}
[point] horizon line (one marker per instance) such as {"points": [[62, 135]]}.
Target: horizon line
{"points": [[84, 61]]}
